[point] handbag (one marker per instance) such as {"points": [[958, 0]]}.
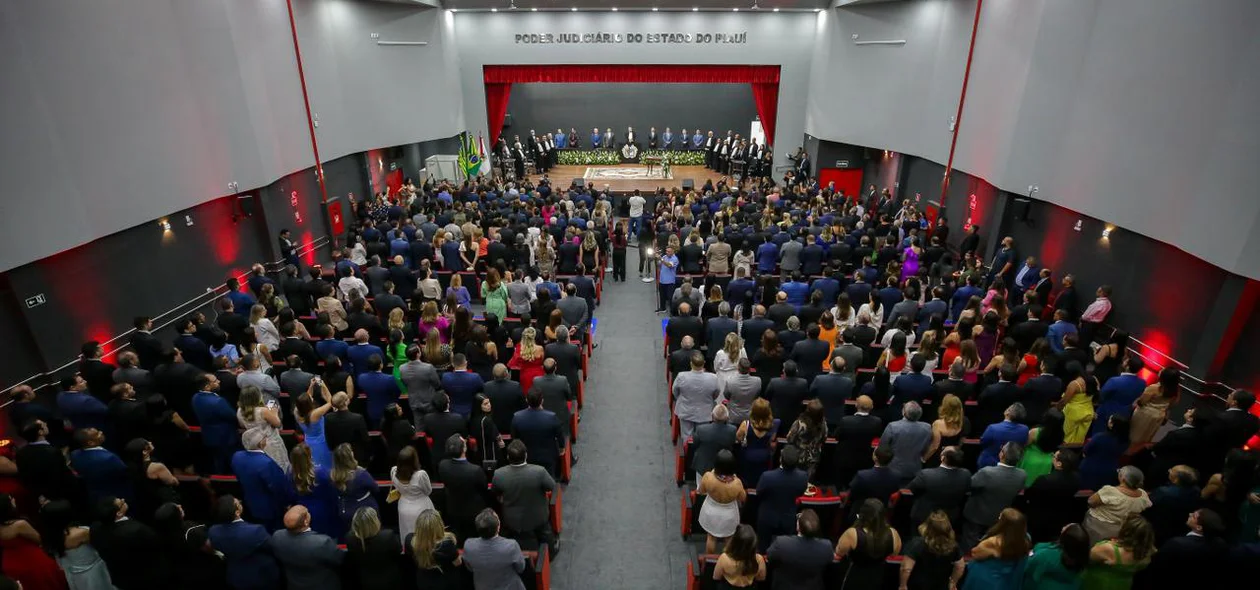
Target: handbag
{"points": [[393, 496]]}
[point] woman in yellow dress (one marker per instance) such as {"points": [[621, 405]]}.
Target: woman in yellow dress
{"points": [[1078, 404]]}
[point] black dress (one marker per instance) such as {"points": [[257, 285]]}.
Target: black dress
{"points": [[445, 575], [931, 570], [866, 564], [377, 562]]}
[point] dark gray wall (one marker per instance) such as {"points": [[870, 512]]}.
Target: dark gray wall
{"points": [[546, 107]]}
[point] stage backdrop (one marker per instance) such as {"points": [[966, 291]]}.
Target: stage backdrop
{"points": [[545, 107]]}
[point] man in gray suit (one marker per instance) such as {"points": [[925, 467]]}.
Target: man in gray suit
{"points": [[941, 488], [740, 392], [851, 354], [129, 371], [790, 257], [524, 488], [420, 382], [375, 276], [686, 293], [556, 393], [254, 375], [909, 440], [310, 560], [711, 438], [573, 309], [993, 489], [496, 563], [294, 381], [908, 307]]}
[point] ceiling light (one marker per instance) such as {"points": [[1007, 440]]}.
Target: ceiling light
{"points": [[535, 9], [614, 9], [574, 9], [694, 9], [494, 10], [776, 10], [453, 10], [817, 10], [654, 9], [735, 9]]}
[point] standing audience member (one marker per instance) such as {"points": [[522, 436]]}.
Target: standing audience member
{"points": [[263, 484], [993, 490], [135, 554], [1111, 506], [1058, 565], [309, 560], [496, 562], [932, 560], [373, 552], [997, 561], [245, 546], [800, 560], [524, 489], [866, 545], [694, 393], [724, 492], [777, 493]]}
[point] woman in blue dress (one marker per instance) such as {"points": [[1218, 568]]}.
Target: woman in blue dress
{"points": [[1102, 454], [356, 488], [310, 420], [756, 436], [998, 560], [314, 490]]}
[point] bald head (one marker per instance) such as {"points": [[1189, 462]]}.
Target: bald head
{"points": [[297, 519]]}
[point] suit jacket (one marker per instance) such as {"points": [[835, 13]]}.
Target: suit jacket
{"points": [[779, 314], [83, 410], [44, 471], [1050, 503], [349, 427], [265, 489], [1206, 556], [777, 491], [556, 395], [833, 390], [359, 355], [914, 387], [543, 434], [1231, 429], [381, 390], [440, 426], [876, 482], [715, 331], [506, 399], [800, 563], [1182, 446], [135, 555], [853, 440], [217, 419], [148, 348], [940, 488], [568, 357], [524, 490], [300, 347], [465, 489], [680, 361], [752, 331], [139, 378], [786, 395], [194, 351], [310, 561], [1039, 393], [246, 547], [997, 435], [680, 326], [462, 387], [993, 489], [810, 354], [1027, 332], [99, 376], [575, 313], [993, 401], [130, 419], [708, 439]]}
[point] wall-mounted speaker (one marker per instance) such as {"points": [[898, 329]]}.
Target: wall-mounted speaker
{"points": [[579, 182], [507, 120], [245, 205], [689, 184], [1022, 208]]}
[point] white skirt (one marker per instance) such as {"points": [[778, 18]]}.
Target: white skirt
{"points": [[719, 519]]}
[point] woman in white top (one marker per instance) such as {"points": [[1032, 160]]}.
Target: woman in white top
{"points": [[430, 288], [349, 282], [413, 487], [358, 253], [875, 308], [264, 330], [252, 413], [1111, 505], [844, 313], [726, 361], [902, 327]]}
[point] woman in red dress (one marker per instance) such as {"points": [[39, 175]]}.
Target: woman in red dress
{"points": [[528, 358], [23, 558]]}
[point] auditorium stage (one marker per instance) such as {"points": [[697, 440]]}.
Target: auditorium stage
{"points": [[599, 176]]}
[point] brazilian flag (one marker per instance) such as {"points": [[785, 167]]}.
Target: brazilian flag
{"points": [[469, 159]]}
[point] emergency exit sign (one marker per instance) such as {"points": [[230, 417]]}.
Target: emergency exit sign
{"points": [[36, 300]]}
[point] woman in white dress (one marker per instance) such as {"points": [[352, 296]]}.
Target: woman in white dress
{"points": [[413, 487], [723, 492], [264, 330], [251, 412], [726, 361], [70, 546]]}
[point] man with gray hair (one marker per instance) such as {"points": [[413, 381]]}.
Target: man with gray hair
{"points": [[909, 440], [680, 360], [573, 309], [694, 395], [252, 374], [685, 293], [568, 357], [997, 435], [993, 489], [420, 382], [264, 487], [863, 334], [741, 389], [711, 438]]}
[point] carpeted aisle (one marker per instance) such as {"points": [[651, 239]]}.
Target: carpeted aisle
{"points": [[621, 512]]}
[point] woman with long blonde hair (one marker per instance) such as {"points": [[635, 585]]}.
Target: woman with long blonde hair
{"points": [[314, 491], [936, 550], [398, 321], [436, 552], [431, 320], [356, 488], [528, 358], [264, 330], [726, 361], [373, 551], [435, 352], [947, 429]]}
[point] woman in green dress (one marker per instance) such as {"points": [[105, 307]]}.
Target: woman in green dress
{"points": [[397, 353], [1059, 566], [1114, 562], [1043, 441], [495, 293]]}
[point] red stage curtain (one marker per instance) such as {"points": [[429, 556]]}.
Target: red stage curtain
{"points": [[766, 96], [497, 94], [678, 74]]}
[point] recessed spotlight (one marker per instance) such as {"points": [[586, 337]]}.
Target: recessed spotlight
{"points": [[654, 9], [614, 9], [694, 9], [776, 10], [574, 9], [494, 10], [535, 9], [735, 9]]}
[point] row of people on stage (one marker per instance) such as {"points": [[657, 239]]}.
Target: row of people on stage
{"points": [[736, 156], [608, 140], [542, 150]]}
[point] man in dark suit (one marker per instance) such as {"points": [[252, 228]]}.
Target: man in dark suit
{"points": [[194, 350], [716, 329], [833, 389], [1050, 502], [246, 548], [1040, 393], [524, 488], [680, 360], [1025, 278], [786, 394], [853, 439], [1068, 300], [43, 469], [863, 336], [98, 374], [218, 422], [684, 324], [993, 489], [567, 357], [1028, 331], [780, 311], [360, 319], [465, 486], [541, 431], [295, 291], [292, 345], [1193, 559], [129, 417], [331, 346], [754, 328], [555, 393], [810, 354], [233, 324], [137, 558], [441, 423], [145, 344], [777, 492], [710, 438], [344, 426], [1232, 428], [996, 399], [400, 287], [910, 387], [381, 389], [878, 482], [266, 488], [941, 488], [310, 560], [129, 372], [506, 398], [1185, 445], [800, 560], [934, 307]]}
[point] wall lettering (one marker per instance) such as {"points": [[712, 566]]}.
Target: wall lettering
{"points": [[631, 38]]}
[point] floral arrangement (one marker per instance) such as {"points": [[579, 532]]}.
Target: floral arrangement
{"points": [[589, 158], [677, 158]]}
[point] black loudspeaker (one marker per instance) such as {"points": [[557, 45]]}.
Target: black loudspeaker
{"points": [[689, 184], [245, 205], [1022, 209], [579, 182], [507, 120]]}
